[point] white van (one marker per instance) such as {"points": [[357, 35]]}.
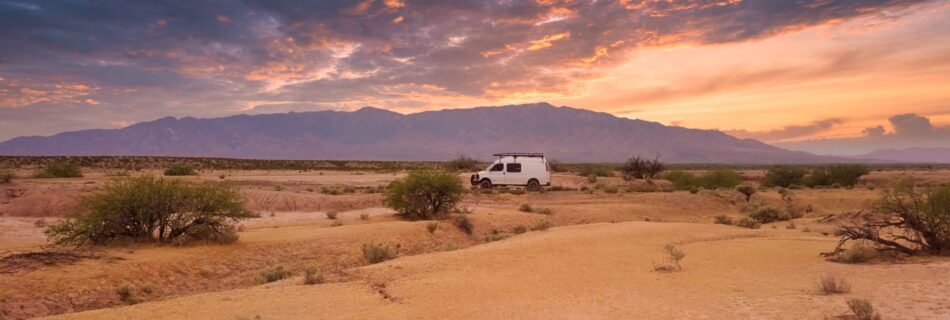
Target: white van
{"points": [[515, 169]]}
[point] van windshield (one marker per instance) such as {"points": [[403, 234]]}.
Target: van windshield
{"points": [[496, 167]]}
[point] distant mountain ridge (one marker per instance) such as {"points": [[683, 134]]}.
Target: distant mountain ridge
{"points": [[911, 155], [564, 133]]}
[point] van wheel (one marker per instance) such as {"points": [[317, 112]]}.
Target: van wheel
{"points": [[534, 185], [485, 184]]}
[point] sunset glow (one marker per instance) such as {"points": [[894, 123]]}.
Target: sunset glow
{"points": [[797, 74]]}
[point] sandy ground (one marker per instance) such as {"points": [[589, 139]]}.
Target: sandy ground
{"points": [[595, 263], [599, 271]]}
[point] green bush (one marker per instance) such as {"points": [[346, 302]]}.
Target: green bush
{"points": [[769, 214], [154, 209], [715, 179], [60, 169], [682, 180], [376, 253], [424, 194], [181, 170], [784, 176], [275, 274], [641, 168], [846, 175]]}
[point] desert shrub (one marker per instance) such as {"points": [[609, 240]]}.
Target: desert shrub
{"points": [[682, 180], [364, 216], [922, 216], [556, 166], [432, 226], [693, 190], [6, 177], [519, 229], [463, 223], [830, 284], [846, 175], [611, 189], [332, 215], [594, 169], [863, 310], [747, 222], [747, 191], [181, 170], [275, 274], [542, 225], [723, 219], [126, 293], [720, 178], [424, 194], [858, 252], [376, 253], [784, 176], [671, 261], [769, 214], [463, 162], [525, 207], [545, 211], [312, 276], [641, 168], [154, 209], [59, 169]]}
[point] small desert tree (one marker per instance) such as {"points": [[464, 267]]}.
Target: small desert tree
{"points": [[845, 175], [424, 194], [906, 219], [642, 168], [463, 162], [784, 176], [153, 209], [60, 169]]}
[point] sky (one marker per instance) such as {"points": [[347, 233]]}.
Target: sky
{"points": [[825, 76]]}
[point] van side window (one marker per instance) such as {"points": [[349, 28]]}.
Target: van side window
{"points": [[496, 167], [514, 167]]}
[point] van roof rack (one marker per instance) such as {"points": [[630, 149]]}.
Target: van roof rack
{"points": [[519, 154]]}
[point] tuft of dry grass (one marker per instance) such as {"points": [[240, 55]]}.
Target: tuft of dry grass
{"points": [[863, 309], [545, 211], [364, 216], [126, 293], [830, 284], [857, 253], [275, 274], [519, 229], [332, 215], [723, 219], [312, 276], [542, 225], [525, 207], [672, 262], [432, 226], [464, 223], [375, 253]]}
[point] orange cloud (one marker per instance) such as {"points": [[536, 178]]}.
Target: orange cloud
{"points": [[547, 40]]}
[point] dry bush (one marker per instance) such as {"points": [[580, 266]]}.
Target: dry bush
{"points": [[863, 310], [672, 260], [519, 229], [830, 284], [542, 225], [463, 162], [747, 191], [375, 253], [275, 274], [364, 216], [784, 176], [905, 219], [181, 170], [545, 211], [747, 222], [312, 276], [857, 253], [525, 207], [723, 219], [846, 175], [769, 214], [432, 226], [331, 215], [463, 223], [127, 294], [642, 168]]}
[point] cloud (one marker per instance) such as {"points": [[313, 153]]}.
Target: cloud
{"points": [[788, 132], [213, 57], [909, 130]]}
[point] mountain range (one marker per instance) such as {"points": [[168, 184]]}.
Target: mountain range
{"points": [[565, 133]]}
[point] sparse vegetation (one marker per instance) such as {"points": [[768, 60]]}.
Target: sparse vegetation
{"points": [[747, 191], [830, 284], [596, 170], [364, 216], [127, 294], [463, 223], [154, 209], [275, 274], [672, 260], [769, 214], [312, 276], [922, 216], [6, 177], [424, 194], [525, 207], [858, 252], [642, 168], [519, 229], [542, 225], [545, 211], [181, 170], [463, 162], [844, 175], [715, 179], [863, 310], [431, 227], [747, 222], [784, 176], [723, 219], [331, 215], [375, 253], [60, 169]]}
